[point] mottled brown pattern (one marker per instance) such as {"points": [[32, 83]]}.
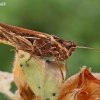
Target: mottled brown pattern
{"points": [[37, 43]]}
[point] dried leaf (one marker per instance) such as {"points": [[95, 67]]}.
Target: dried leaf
{"points": [[82, 86]]}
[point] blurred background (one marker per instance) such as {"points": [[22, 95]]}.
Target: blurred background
{"points": [[75, 20]]}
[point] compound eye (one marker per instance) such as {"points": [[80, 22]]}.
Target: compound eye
{"points": [[70, 44]]}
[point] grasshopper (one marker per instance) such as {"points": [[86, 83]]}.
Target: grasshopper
{"points": [[38, 43]]}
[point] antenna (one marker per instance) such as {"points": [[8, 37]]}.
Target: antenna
{"points": [[86, 48]]}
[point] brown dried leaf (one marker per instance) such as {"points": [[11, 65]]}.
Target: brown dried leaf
{"points": [[83, 86]]}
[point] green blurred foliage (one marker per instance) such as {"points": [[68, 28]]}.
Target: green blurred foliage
{"points": [[74, 20]]}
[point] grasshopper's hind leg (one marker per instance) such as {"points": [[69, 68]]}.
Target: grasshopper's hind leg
{"points": [[58, 63]]}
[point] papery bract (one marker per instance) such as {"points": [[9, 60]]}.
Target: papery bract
{"points": [[83, 86]]}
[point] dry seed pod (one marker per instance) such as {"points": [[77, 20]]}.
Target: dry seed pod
{"points": [[83, 86], [43, 77]]}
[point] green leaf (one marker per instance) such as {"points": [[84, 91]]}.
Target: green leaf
{"points": [[43, 77]]}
